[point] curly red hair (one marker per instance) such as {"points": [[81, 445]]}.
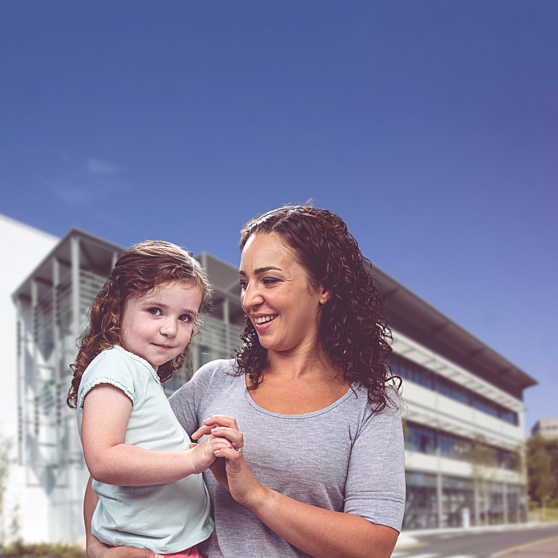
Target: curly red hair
{"points": [[353, 327], [137, 271]]}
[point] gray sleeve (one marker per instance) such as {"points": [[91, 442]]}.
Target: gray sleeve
{"points": [[187, 401], [375, 487]]}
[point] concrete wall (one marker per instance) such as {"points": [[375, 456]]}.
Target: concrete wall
{"points": [[21, 249]]}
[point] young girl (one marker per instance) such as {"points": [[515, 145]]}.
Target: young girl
{"points": [[151, 494]]}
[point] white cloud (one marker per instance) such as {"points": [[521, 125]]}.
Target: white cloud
{"points": [[87, 181], [96, 166]]}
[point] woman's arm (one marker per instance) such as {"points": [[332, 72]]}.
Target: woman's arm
{"points": [[95, 548], [105, 418], [319, 532]]}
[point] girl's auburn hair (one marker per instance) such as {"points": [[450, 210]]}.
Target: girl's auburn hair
{"points": [[139, 270], [353, 325]]}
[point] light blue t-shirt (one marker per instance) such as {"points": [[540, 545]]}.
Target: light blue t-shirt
{"points": [[164, 518]]}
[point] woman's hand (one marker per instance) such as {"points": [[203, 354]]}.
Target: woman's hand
{"points": [[95, 548], [238, 479]]}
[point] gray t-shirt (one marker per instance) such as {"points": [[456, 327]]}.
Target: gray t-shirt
{"points": [[341, 458]]}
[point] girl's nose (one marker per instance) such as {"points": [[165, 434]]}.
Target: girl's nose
{"points": [[169, 328]]}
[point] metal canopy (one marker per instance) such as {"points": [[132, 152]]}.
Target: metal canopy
{"points": [[416, 319]]}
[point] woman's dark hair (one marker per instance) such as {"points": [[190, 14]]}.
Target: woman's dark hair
{"points": [[353, 328], [139, 270]]}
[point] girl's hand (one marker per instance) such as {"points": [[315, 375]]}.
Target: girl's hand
{"points": [[204, 454], [244, 488]]}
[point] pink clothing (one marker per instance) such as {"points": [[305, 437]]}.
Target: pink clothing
{"points": [[191, 552]]}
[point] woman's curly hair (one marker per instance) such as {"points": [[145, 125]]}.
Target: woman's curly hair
{"points": [[353, 328], [139, 270]]}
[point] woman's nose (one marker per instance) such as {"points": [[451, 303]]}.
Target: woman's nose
{"points": [[251, 296]]}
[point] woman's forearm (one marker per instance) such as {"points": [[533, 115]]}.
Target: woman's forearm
{"points": [[322, 533], [95, 548]]}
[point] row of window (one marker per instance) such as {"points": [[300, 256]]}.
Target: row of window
{"points": [[498, 503], [424, 439], [418, 374]]}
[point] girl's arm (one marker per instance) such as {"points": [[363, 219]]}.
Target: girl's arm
{"points": [[319, 532], [109, 460], [95, 548]]}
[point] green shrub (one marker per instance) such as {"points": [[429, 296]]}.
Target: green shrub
{"points": [[43, 550]]}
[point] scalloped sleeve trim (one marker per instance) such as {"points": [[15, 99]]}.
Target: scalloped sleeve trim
{"points": [[104, 380]]}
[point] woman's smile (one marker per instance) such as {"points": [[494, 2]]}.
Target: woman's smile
{"points": [[277, 296]]}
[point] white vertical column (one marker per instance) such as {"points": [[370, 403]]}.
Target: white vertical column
{"points": [[439, 496], [35, 372], [20, 386], [505, 501], [75, 287], [58, 374]]}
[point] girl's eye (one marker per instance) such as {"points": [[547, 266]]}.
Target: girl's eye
{"points": [[155, 311], [185, 318]]}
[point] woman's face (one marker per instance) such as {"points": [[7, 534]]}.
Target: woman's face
{"points": [[277, 296]]}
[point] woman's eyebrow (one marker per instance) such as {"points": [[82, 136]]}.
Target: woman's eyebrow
{"points": [[261, 270]]}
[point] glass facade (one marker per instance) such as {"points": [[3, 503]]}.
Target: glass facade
{"points": [[424, 439], [420, 375], [421, 506]]}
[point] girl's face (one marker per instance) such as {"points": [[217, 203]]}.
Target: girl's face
{"points": [[277, 297], [157, 325]]}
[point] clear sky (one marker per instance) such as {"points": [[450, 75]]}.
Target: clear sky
{"points": [[430, 127]]}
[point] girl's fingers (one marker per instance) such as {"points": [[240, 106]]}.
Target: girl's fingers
{"points": [[230, 454]]}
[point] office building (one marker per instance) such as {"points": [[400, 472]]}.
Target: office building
{"points": [[547, 428]]}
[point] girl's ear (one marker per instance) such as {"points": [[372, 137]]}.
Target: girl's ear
{"points": [[115, 316]]}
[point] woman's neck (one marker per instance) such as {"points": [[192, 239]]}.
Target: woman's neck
{"points": [[302, 363]]}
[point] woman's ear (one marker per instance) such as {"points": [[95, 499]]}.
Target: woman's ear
{"points": [[325, 295]]}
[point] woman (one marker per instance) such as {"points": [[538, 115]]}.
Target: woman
{"points": [[317, 464]]}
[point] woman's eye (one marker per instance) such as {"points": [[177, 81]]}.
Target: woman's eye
{"points": [[243, 285], [269, 281]]}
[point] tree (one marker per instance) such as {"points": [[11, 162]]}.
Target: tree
{"points": [[483, 461], [6, 462], [542, 468]]}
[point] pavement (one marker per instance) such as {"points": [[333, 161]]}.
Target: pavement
{"points": [[542, 549], [411, 539]]}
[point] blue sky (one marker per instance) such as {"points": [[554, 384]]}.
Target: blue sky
{"points": [[430, 127]]}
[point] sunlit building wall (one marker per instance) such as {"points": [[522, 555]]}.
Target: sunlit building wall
{"points": [[24, 502], [464, 419]]}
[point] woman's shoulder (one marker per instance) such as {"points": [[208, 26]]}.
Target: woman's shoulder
{"points": [[217, 374], [378, 409], [221, 370]]}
